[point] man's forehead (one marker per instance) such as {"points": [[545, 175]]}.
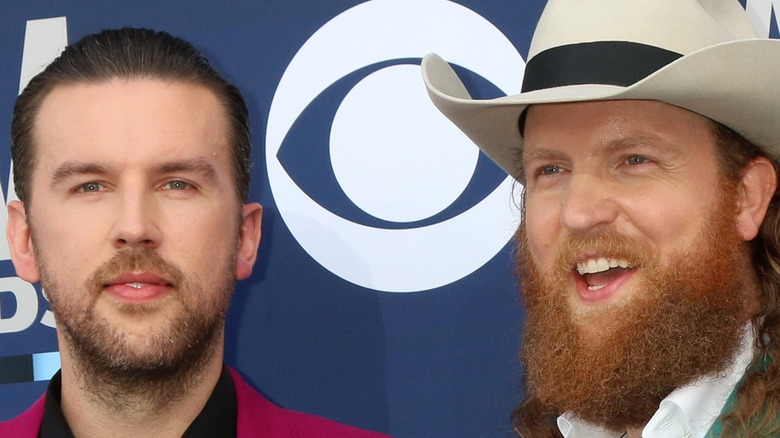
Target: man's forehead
{"points": [[153, 101], [562, 131], [136, 118], [651, 115]]}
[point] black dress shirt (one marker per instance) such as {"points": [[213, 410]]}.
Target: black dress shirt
{"points": [[217, 419]]}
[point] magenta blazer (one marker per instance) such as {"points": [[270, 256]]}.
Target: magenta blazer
{"points": [[257, 417]]}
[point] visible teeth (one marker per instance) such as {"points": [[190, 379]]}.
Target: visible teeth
{"points": [[136, 285], [601, 264]]}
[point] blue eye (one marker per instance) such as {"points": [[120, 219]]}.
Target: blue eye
{"points": [[550, 170], [177, 185], [90, 187], [636, 159]]}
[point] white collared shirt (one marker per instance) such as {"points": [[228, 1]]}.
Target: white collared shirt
{"points": [[688, 411]]}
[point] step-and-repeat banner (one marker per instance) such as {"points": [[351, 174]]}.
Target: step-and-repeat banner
{"points": [[383, 296]]}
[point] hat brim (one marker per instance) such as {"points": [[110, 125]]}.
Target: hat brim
{"points": [[733, 83]]}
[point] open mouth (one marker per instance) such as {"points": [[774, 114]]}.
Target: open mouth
{"points": [[600, 272]]}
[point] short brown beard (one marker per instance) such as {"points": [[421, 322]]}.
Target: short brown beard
{"points": [[107, 368], [684, 321]]}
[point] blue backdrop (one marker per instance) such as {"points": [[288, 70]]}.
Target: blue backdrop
{"points": [[383, 296]]}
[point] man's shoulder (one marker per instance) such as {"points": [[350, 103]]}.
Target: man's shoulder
{"points": [[27, 424], [255, 414]]}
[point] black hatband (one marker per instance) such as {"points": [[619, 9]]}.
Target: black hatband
{"points": [[603, 62]]}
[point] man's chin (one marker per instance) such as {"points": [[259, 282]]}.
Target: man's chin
{"points": [[147, 351], [110, 339], [142, 326], [158, 367], [594, 322], [111, 308], [615, 371]]}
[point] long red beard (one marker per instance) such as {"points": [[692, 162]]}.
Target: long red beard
{"points": [[613, 368]]}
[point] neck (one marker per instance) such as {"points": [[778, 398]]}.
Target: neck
{"points": [[136, 404], [634, 433]]}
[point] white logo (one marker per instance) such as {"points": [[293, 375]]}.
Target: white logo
{"points": [[43, 41], [398, 161]]}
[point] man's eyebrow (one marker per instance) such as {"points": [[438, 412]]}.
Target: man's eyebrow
{"points": [[196, 165], [542, 154], [73, 168], [646, 145], [632, 141], [617, 145]]}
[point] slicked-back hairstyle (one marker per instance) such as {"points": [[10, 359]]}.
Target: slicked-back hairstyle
{"points": [[127, 53]]}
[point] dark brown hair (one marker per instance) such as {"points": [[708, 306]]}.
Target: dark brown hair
{"points": [[127, 53]]}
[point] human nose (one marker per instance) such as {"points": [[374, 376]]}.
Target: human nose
{"points": [[136, 224], [589, 204]]}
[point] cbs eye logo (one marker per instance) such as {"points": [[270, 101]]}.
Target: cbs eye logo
{"points": [[371, 180]]}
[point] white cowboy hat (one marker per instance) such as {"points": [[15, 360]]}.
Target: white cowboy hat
{"points": [[702, 55]]}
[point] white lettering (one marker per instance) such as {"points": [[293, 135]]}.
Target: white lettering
{"points": [[48, 317], [44, 40], [26, 305]]}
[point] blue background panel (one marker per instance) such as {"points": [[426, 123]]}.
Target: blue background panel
{"points": [[440, 361]]}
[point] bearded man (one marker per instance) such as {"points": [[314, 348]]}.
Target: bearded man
{"points": [[645, 139], [132, 162]]}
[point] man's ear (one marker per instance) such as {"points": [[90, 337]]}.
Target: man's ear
{"points": [[249, 240], [20, 243], [758, 185]]}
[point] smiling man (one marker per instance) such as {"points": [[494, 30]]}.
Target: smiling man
{"points": [[645, 138], [131, 162]]}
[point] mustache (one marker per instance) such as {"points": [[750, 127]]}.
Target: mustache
{"points": [[138, 260], [607, 243]]}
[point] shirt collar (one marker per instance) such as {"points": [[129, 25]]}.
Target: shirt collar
{"points": [[218, 417], [688, 411]]}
